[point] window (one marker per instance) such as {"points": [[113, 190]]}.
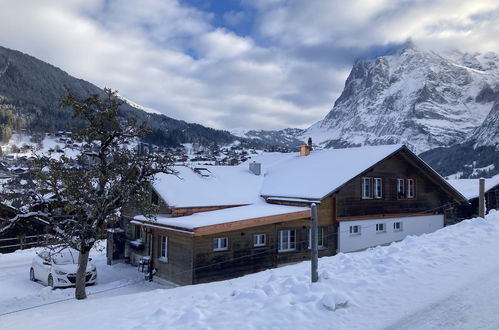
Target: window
{"points": [[220, 244], [366, 188], [163, 248], [154, 198], [259, 240], [320, 237], [400, 188], [378, 188], [136, 232], [354, 230], [397, 226], [286, 240], [380, 228], [410, 188]]}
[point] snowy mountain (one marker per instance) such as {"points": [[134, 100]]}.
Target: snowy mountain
{"points": [[30, 90], [289, 136], [413, 96]]}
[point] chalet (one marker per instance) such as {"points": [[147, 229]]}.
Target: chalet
{"points": [[220, 222], [469, 188]]}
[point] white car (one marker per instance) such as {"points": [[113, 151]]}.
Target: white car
{"points": [[58, 268]]}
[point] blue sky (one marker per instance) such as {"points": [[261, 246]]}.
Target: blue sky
{"points": [[266, 64]]}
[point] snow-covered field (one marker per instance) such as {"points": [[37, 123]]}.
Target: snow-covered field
{"points": [[445, 280], [18, 292]]}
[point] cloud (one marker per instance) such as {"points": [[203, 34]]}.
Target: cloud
{"points": [[170, 56]]}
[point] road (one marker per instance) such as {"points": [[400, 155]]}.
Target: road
{"points": [[19, 292], [474, 306]]}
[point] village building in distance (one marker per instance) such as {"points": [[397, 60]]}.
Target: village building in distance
{"points": [[221, 222]]}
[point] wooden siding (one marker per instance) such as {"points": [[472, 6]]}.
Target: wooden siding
{"points": [[183, 211], [242, 257], [429, 195], [179, 266]]}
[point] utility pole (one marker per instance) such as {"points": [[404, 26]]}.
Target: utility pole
{"points": [[313, 243], [481, 198]]}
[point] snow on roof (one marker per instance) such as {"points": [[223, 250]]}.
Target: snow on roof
{"points": [[321, 172], [469, 187], [209, 186], [202, 219]]}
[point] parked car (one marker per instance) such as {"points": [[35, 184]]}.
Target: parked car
{"points": [[58, 268]]}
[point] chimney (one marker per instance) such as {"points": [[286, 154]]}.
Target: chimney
{"points": [[256, 168], [304, 150]]}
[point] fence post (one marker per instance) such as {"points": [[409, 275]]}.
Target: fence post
{"points": [[313, 243], [481, 198]]}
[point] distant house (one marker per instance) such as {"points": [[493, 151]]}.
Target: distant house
{"points": [[469, 188], [220, 222]]}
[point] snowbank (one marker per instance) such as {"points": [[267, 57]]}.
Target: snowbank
{"points": [[372, 289]]}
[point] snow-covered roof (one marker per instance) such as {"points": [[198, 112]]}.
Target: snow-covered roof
{"points": [[233, 214], [215, 185], [318, 174], [469, 187], [208, 186]]}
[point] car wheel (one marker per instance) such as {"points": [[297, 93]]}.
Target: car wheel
{"points": [[32, 275], [50, 281]]}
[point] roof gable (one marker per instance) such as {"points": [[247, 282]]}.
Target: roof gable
{"points": [[322, 172]]}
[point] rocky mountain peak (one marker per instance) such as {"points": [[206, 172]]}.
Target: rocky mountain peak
{"points": [[422, 98]]}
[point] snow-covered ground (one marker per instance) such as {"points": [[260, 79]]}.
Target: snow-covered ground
{"points": [[448, 279], [18, 292]]}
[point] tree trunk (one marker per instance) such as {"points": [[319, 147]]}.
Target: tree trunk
{"points": [[80, 292]]}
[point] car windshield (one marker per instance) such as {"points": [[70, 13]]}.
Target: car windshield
{"points": [[65, 257]]}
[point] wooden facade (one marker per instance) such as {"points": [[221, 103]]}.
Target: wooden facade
{"points": [[192, 258]]}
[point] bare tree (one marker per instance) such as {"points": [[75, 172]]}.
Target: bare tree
{"points": [[82, 192]]}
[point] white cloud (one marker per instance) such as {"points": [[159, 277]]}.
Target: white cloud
{"points": [[169, 56]]}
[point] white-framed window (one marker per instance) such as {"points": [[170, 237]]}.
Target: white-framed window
{"points": [[400, 188], [320, 237], [410, 188], [163, 248], [397, 226], [259, 240], [287, 240], [355, 230], [366, 188], [380, 228], [220, 244], [378, 188]]}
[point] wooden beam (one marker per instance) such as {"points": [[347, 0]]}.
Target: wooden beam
{"points": [[237, 225], [383, 216]]}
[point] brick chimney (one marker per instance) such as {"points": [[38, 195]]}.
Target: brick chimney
{"points": [[306, 148]]}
